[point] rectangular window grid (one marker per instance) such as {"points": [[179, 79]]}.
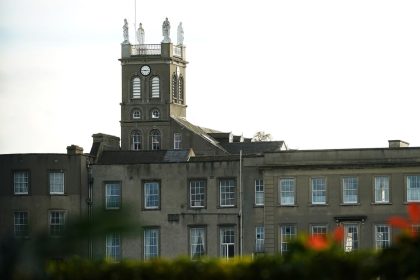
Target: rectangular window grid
{"points": [[413, 188], [56, 222], [319, 230], [56, 180], [259, 192], [382, 236], [287, 191], [319, 191], [136, 88], [21, 182], [21, 223], [287, 233], [259, 239], [227, 193], [151, 195], [112, 195], [197, 193], [227, 242], [177, 141], [197, 242], [113, 247], [351, 237], [350, 190], [151, 243], [381, 189]]}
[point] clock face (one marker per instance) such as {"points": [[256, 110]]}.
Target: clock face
{"points": [[145, 70]]}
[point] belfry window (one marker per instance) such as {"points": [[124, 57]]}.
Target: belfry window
{"points": [[155, 139], [174, 88], [181, 89], [155, 87], [136, 139], [136, 88]]}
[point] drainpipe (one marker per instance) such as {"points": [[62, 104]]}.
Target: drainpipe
{"points": [[241, 226]]}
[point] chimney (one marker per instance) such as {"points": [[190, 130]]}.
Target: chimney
{"points": [[74, 150], [398, 144]]}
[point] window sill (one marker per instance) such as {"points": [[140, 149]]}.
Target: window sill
{"points": [[350, 204], [380, 203], [287, 205], [318, 205], [58, 194], [258, 205], [21, 194]]}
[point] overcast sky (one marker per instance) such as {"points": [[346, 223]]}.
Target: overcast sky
{"points": [[314, 73]]}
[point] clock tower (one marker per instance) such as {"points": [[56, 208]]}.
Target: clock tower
{"points": [[153, 91]]}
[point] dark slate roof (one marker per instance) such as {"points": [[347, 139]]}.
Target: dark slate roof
{"points": [[200, 131], [138, 157], [95, 148], [254, 147]]}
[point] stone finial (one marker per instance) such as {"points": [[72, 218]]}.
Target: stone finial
{"points": [[140, 34], [125, 32], [180, 33], [166, 31]]}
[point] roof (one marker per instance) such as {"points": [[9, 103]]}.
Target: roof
{"points": [[200, 131], [253, 147], [138, 157]]}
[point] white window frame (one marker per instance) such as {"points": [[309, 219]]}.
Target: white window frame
{"points": [[21, 182], [319, 190], [413, 188], [197, 242], [227, 242], [259, 238], [259, 192], [21, 228], [136, 141], [155, 87], [112, 195], [351, 236], [113, 247], [136, 88], [381, 189], [151, 243], [350, 190], [155, 114], [155, 138], [227, 193], [287, 191], [56, 182], [382, 236], [177, 141], [198, 193], [56, 222], [321, 230], [151, 195], [136, 115], [288, 232]]}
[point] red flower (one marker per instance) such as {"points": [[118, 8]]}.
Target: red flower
{"points": [[318, 242], [413, 210], [338, 234]]}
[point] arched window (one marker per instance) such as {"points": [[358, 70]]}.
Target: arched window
{"points": [[155, 87], [136, 88], [174, 88], [155, 114], [155, 139], [136, 140], [181, 89], [136, 114]]}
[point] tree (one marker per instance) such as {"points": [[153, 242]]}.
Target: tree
{"points": [[261, 136]]}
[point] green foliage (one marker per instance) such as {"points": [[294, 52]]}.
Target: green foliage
{"points": [[401, 261]]}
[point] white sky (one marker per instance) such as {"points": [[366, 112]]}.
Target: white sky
{"points": [[317, 74]]}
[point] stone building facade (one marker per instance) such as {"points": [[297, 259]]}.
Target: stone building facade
{"points": [[198, 191]]}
